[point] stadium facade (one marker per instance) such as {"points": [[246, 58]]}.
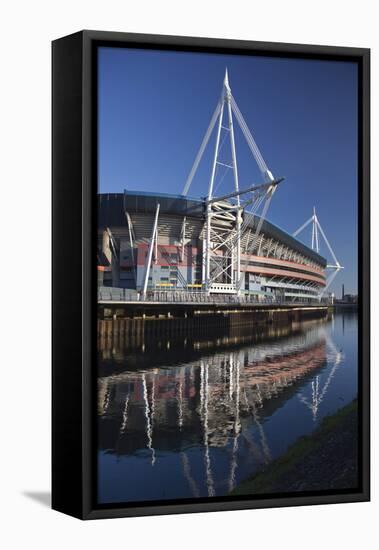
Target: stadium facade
{"points": [[160, 241], [216, 245]]}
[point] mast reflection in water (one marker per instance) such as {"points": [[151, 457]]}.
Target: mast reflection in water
{"points": [[193, 418]]}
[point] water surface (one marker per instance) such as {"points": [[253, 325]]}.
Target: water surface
{"points": [[193, 417]]}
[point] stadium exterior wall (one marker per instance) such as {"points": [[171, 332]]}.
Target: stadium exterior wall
{"points": [[273, 263]]}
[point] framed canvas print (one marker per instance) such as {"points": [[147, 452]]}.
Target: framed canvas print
{"points": [[210, 274]]}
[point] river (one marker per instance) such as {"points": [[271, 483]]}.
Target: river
{"points": [[193, 417]]}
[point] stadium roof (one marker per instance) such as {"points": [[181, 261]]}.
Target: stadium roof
{"points": [[111, 208]]}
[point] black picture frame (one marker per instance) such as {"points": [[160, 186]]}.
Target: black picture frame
{"points": [[74, 176]]}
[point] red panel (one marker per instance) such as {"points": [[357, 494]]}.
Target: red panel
{"points": [[271, 266]]}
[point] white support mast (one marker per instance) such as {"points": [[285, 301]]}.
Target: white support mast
{"points": [[230, 268], [150, 253], [224, 220], [237, 272], [316, 228], [131, 242]]}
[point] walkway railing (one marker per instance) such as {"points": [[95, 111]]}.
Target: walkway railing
{"points": [[110, 294]]}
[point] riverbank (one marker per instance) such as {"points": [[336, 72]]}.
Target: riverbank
{"points": [[166, 320], [326, 459]]}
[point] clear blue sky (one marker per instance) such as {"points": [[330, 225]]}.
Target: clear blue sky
{"points": [[155, 106]]}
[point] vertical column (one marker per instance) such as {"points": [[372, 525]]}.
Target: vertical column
{"points": [[236, 185], [150, 252], [207, 255]]}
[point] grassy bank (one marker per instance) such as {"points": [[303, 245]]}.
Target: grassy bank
{"points": [[325, 459]]}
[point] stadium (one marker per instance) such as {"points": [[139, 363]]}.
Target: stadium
{"points": [[272, 265], [156, 244]]}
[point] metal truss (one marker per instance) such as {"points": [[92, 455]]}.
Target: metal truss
{"points": [[333, 268], [225, 222]]}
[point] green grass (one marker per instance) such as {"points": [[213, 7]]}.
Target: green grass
{"points": [[264, 480]]}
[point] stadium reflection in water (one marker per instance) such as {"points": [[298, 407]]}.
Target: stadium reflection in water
{"points": [[185, 418]]}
